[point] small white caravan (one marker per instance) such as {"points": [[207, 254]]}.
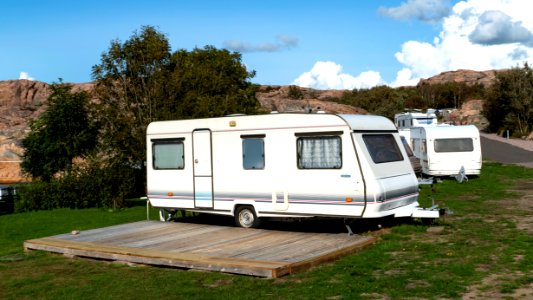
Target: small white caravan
{"points": [[444, 150], [281, 165], [415, 119]]}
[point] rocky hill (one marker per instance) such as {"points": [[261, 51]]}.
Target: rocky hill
{"points": [[485, 78], [279, 98], [24, 100]]}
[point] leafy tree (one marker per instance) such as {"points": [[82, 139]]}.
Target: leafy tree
{"points": [[380, 100], [509, 104], [129, 80], [140, 81], [209, 82], [449, 94], [64, 131]]}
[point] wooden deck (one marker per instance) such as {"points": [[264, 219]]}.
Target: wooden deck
{"points": [[257, 252]]}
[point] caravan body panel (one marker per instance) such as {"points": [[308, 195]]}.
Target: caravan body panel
{"points": [[282, 165], [443, 150]]}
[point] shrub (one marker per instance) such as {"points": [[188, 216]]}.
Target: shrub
{"points": [[91, 186], [295, 92]]}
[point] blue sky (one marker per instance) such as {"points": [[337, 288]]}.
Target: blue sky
{"points": [[332, 44]]}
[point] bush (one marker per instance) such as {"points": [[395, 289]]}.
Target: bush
{"points": [[90, 187], [295, 92]]}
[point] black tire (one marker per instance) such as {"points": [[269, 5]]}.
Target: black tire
{"points": [[245, 217]]}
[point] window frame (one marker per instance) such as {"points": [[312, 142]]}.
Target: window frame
{"points": [[471, 144], [318, 136], [371, 148], [255, 137], [168, 141]]}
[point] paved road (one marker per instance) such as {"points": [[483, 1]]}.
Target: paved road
{"points": [[505, 153]]}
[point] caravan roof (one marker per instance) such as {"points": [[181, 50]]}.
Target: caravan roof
{"points": [[444, 132], [415, 119], [275, 121]]}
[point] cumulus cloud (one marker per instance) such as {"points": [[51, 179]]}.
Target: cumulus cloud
{"points": [[495, 28], [329, 75], [25, 75], [283, 42], [430, 11], [477, 35]]}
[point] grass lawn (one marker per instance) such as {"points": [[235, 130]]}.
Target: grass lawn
{"points": [[483, 250]]}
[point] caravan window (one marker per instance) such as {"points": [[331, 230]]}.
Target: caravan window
{"points": [[319, 152], [168, 154], [454, 145], [253, 153], [382, 148]]}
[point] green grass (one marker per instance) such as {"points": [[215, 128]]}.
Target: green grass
{"points": [[480, 240]]}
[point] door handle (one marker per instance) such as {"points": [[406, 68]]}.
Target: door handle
{"points": [[196, 161]]}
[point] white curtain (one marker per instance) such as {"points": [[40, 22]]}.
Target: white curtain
{"points": [[319, 153], [168, 156]]}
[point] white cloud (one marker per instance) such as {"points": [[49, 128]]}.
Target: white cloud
{"points": [[404, 78], [328, 75], [496, 28], [477, 35], [283, 42], [25, 75], [430, 11]]}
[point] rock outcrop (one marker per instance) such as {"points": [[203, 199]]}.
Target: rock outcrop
{"points": [[278, 98], [20, 101], [469, 113], [485, 78]]}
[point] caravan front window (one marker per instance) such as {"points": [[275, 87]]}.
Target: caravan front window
{"points": [[454, 145], [320, 152], [382, 148], [168, 154]]}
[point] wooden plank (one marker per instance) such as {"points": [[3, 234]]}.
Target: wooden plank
{"points": [[331, 256], [154, 257], [256, 252], [111, 231]]}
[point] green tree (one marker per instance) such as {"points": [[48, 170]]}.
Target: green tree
{"points": [[380, 100], [209, 82], [129, 81], [140, 81], [509, 104], [449, 94], [64, 131]]}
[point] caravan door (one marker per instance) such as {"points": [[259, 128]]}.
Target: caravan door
{"points": [[202, 168]]}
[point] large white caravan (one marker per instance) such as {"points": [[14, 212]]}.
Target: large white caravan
{"points": [[282, 165], [444, 150]]}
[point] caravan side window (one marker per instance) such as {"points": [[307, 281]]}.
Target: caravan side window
{"points": [[382, 148], [319, 152], [454, 145], [168, 154], [253, 152]]}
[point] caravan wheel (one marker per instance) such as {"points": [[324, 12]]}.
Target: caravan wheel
{"points": [[245, 217]]}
